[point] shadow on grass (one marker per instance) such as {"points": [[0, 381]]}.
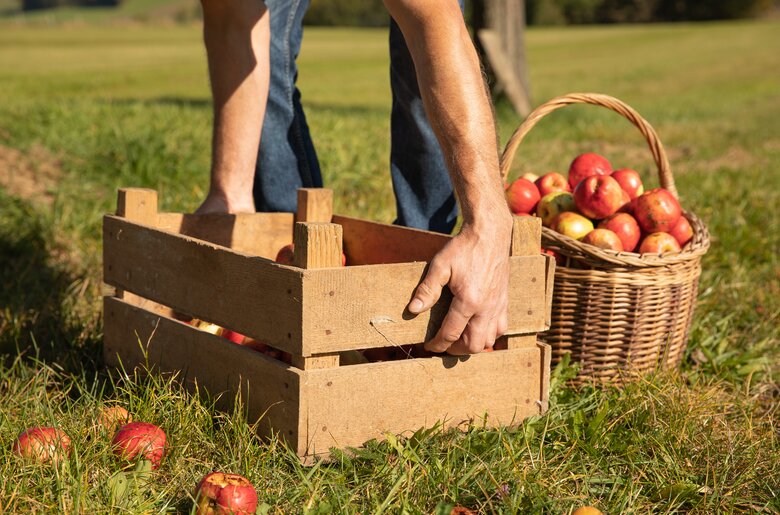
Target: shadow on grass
{"points": [[41, 293]]}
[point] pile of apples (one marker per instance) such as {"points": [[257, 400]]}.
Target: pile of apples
{"points": [[141, 445], [603, 207]]}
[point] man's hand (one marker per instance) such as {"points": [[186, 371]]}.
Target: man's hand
{"points": [[219, 202]]}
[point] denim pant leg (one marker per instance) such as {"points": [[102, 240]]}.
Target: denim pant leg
{"points": [[286, 159], [423, 190]]}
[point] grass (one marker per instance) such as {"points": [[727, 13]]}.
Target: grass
{"points": [[111, 107]]}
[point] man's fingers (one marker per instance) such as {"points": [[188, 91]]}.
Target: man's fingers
{"points": [[480, 333], [451, 330], [429, 291]]}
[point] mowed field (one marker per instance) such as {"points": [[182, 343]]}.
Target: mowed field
{"points": [[85, 109]]}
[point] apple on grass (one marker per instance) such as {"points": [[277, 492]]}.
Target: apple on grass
{"points": [[42, 444], [659, 243], [522, 196], [657, 210], [586, 165], [220, 493], [553, 204], [139, 440], [630, 181], [598, 196], [626, 228], [551, 182], [682, 231], [604, 239], [111, 417], [572, 224]]}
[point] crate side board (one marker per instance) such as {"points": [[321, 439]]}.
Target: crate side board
{"points": [[365, 306], [269, 389], [245, 293], [260, 234], [347, 406]]}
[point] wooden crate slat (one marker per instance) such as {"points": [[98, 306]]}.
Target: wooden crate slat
{"points": [[211, 362], [365, 306], [245, 293], [261, 234], [348, 405], [367, 242]]}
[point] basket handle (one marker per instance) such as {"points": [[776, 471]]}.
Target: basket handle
{"points": [[659, 154]]}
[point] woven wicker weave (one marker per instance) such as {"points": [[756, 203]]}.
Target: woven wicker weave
{"points": [[619, 314]]}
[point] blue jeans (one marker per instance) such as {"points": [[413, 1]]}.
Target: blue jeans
{"points": [[287, 160]]}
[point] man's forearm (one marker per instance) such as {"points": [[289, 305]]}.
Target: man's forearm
{"points": [[236, 34]]}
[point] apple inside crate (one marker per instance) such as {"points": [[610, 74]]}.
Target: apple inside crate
{"points": [[220, 269]]}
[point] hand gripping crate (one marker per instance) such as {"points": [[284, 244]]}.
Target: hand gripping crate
{"points": [[219, 268]]}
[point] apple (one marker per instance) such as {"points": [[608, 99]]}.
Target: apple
{"points": [[522, 196], [657, 210], [206, 326], [559, 260], [604, 239], [551, 182], [630, 181], [659, 243], [232, 336], [682, 231], [626, 228], [111, 417], [42, 444], [598, 196], [587, 510], [529, 177], [286, 255], [585, 165], [553, 204], [626, 204], [572, 224], [219, 493], [139, 440]]}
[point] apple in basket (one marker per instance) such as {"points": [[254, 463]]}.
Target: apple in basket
{"points": [[42, 444], [572, 224], [604, 239], [585, 165], [626, 228], [551, 182], [657, 210], [630, 181], [553, 204], [659, 243], [598, 196], [220, 493], [522, 196], [682, 231]]}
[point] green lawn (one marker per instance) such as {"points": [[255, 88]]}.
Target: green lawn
{"points": [[87, 109]]}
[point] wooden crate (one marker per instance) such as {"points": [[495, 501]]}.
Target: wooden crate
{"points": [[219, 268]]}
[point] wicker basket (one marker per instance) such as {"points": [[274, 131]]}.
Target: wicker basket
{"points": [[619, 314]]}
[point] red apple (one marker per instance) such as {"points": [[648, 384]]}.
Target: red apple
{"points": [[111, 417], [626, 228], [559, 260], [572, 224], [139, 440], [232, 336], [682, 231], [553, 204], [598, 196], [550, 182], [219, 493], [656, 210], [286, 255], [630, 181], [625, 202], [522, 196], [659, 243], [42, 444], [604, 239], [586, 165]]}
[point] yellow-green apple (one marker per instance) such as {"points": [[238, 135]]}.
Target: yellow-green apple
{"points": [[553, 204], [551, 182], [630, 181], [42, 444], [572, 224], [659, 243], [598, 196], [219, 493], [626, 228], [656, 210], [585, 165], [604, 239], [529, 176], [522, 196], [139, 440], [111, 417], [682, 231]]}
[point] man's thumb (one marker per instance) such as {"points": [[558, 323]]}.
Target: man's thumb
{"points": [[429, 291]]}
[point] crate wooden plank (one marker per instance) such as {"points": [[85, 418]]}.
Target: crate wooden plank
{"points": [[269, 388], [369, 243], [365, 306], [246, 293], [349, 405], [314, 205], [259, 234], [526, 241]]}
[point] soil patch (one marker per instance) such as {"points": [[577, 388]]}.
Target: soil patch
{"points": [[34, 175]]}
